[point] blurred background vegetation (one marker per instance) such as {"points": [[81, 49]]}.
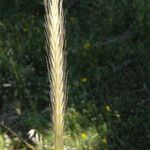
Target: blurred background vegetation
{"points": [[108, 61]]}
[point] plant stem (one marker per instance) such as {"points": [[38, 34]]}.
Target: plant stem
{"points": [[56, 67]]}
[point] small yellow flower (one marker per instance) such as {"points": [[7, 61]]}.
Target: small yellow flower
{"points": [[87, 45], [107, 108], [25, 29], [84, 136], [104, 141], [83, 79]]}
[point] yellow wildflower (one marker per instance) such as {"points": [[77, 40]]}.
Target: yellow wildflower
{"points": [[83, 79], [84, 136], [87, 45], [25, 29], [107, 108], [104, 141]]}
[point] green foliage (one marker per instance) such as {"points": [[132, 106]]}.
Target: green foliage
{"points": [[108, 65]]}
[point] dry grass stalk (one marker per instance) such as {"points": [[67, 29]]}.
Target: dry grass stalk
{"points": [[56, 66], [16, 135]]}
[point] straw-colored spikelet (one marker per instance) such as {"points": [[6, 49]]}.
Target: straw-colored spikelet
{"points": [[56, 66]]}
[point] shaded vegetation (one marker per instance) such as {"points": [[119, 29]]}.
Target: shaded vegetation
{"points": [[108, 72]]}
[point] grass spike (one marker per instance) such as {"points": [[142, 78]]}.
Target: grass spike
{"points": [[55, 41]]}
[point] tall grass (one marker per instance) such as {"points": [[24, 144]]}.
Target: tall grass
{"points": [[56, 66]]}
